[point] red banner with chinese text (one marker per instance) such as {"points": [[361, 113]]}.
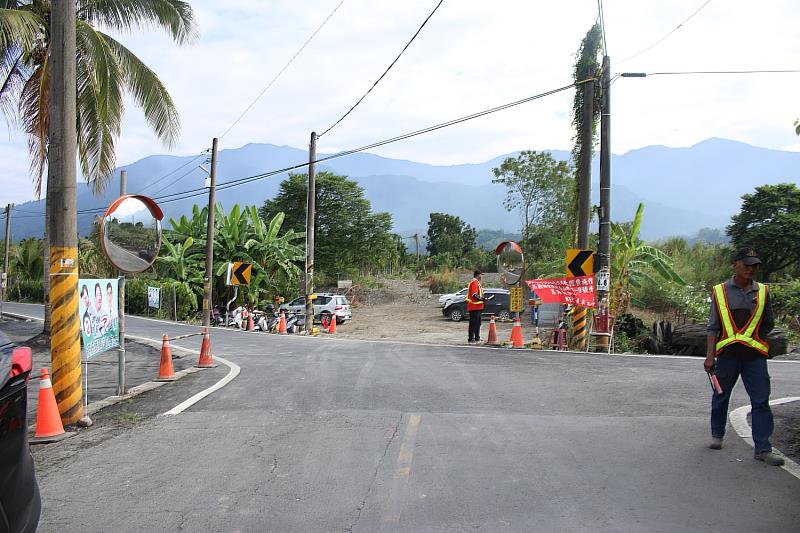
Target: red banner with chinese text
{"points": [[577, 290]]}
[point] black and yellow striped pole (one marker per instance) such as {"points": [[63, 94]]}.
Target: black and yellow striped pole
{"points": [[579, 263], [578, 341], [65, 347]]}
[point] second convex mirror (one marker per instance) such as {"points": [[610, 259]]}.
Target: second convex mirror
{"points": [[510, 262], [130, 233]]}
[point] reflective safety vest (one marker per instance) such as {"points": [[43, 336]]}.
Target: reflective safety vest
{"points": [[474, 288], [747, 335]]}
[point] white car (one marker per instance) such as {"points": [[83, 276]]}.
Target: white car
{"points": [[325, 306], [444, 299]]}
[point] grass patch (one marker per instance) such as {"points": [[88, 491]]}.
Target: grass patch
{"points": [[130, 417]]}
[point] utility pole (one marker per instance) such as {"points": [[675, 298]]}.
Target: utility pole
{"points": [[585, 170], [65, 348], [123, 185], [604, 239], [310, 219], [4, 279], [416, 241], [207, 281]]}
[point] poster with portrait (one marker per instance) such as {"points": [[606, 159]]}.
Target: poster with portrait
{"points": [[98, 311]]}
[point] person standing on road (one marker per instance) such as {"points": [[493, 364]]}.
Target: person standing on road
{"points": [[475, 301], [739, 320]]}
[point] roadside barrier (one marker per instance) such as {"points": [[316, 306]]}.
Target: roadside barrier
{"points": [[165, 370], [282, 324], [206, 359], [48, 420], [516, 334], [558, 340], [492, 340]]}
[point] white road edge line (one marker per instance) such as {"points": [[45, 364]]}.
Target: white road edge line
{"points": [[738, 418]]}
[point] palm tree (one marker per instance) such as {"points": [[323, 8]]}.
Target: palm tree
{"points": [[106, 70], [633, 261], [28, 259]]}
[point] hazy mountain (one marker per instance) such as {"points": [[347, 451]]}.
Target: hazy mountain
{"points": [[683, 189]]}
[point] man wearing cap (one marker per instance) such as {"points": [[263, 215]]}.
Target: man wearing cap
{"points": [[740, 319], [475, 301]]}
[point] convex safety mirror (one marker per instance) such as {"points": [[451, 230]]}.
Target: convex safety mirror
{"points": [[510, 262], [130, 232]]}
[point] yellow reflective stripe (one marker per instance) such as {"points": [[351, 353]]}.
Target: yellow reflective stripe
{"points": [[762, 297], [722, 309]]}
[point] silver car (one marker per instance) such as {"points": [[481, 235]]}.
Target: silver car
{"points": [[326, 305], [445, 299]]}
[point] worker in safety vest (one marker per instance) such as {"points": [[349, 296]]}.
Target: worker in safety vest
{"points": [[475, 301], [739, 321]]}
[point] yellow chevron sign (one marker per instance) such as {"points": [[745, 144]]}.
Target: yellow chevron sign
{"points": [[580, 262]]}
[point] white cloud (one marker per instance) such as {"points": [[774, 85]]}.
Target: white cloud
{"points": [[471, 56]]}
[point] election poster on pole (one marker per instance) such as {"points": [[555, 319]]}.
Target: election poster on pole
{"points": [[99, 315], [154, 297]]}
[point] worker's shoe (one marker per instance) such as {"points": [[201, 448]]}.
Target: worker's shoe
{"points": [[716, 443], [769, 458]]}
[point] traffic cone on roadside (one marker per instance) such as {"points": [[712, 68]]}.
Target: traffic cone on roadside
{"points": [[165, 370], [516, 335], [48, 420], [332, 327], [206, 359], [251, 326], [492, 340], [282, 324]]}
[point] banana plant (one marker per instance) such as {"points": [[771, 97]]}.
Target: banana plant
{"points": [[633, 262]]}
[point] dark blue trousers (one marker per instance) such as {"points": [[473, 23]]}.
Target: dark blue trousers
{"points": [[756, 382]]}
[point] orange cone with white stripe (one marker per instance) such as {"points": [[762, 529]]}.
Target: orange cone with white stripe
{"points": [[48, 420], [516, 334], [165, 370], [251, 325], [492, 340], [282, 324], [206, 359], [332, 327]]}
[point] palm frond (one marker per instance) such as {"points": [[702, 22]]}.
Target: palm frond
{"points": [[33, 112], [19, 28], [148, 91], [173, 16]]}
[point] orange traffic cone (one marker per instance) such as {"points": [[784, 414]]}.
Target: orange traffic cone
{"points": [[206, 359], [251, 326], [165, 370], [492, 340], [332, 327], [282, 324], [48, 420], [516, 335]]}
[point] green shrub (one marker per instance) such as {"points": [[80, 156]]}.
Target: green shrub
{"points": [[28, 290], [444, 282], [136, 299]]}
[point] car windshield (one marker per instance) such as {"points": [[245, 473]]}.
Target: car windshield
{"points": [[341, 300], [298, 301], [323, 300]]}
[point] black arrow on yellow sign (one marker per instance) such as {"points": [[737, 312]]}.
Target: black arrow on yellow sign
{"points": [[580, 262], [240, 274]]}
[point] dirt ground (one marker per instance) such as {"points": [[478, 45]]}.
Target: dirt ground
{"points": [[405, 310]]}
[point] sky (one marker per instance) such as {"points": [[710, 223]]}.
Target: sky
{"points": [[472, 55]]}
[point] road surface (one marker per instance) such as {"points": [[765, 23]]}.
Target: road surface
{"points": [[325, 434]]}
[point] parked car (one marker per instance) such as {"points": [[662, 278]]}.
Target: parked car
{"points": [[444, 299], [498, 306], [20, 503], [326, 305]]}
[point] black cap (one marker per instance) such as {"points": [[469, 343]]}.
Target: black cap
{"points": [[748, 256], [476, 273]]}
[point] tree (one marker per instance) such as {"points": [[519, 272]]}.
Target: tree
{"points": [[448, 234], [348, 235], [769, 222], [633, 261], [541, 189], [106, 71]]}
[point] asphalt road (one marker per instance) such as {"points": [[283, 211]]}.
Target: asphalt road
{"points": [[325, 434]]}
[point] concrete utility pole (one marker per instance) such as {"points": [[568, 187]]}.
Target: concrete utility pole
{"points": [[123, 186], [311, 207], [4, 290], [416, 241], [65, 348], [585, 170], [207, 281], [604, 241]]}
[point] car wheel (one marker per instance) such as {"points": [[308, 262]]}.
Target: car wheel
{"points": [[456, 315], [504, 315]]}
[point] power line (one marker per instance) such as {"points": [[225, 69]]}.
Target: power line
{"points": [[169, 174], [385, 71], [278, 75], [602, 25], [699, 72], [184, 195], [679, 26], [170, 184]]}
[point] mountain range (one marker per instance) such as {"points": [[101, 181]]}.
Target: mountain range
{"points": [[683, 189]]}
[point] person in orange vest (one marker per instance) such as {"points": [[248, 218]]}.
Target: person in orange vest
{"points": [[739, 320], [475, 301]]}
